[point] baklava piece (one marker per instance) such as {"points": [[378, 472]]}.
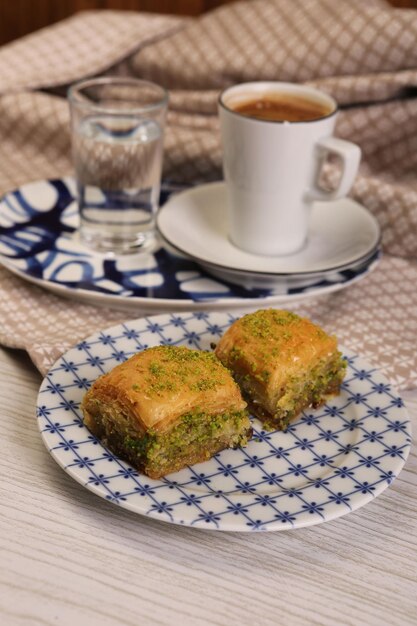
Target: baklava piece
{"points": [[167, 407], [283, 364]]}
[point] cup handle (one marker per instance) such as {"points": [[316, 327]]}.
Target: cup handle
{"points": [[350, 155]]}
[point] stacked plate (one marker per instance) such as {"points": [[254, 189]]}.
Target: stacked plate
{"points": [[343, 243], [195, 266]]}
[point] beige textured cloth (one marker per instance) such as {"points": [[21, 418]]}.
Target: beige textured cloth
{"points": [[364, 53]]}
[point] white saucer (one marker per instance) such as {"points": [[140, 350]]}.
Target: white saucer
{"points": [[278, 283], [342, 234]]}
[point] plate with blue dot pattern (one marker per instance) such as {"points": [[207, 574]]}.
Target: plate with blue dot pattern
{"points": [[39, 242], [330, 462]]}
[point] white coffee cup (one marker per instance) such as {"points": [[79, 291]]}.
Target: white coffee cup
{"points": [[272, 168]]}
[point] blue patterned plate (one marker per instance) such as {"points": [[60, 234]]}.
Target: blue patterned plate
{"points": [[331, 461], [38, 241]]}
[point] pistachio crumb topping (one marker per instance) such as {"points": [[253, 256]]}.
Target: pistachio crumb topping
{"points": [[177, 366], [261, 323]]}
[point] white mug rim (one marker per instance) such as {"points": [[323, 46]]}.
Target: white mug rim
{"points": [[259, 86]]}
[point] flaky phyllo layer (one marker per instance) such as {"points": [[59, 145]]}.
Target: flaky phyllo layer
{"points": [[167, 407], [283, 364]]}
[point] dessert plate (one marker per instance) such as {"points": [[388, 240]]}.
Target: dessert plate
{"points": [[39, 242], [342, 233], [331, 461]]}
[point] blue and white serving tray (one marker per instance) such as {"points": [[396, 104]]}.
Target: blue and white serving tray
{"points": [[331, 461], [39, 242]]}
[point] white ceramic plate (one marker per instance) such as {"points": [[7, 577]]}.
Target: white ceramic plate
{"points": [[342, 233], [39, 243], [331, 461]]}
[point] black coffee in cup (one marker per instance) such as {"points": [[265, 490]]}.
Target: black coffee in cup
{"points": [[282, 108]]}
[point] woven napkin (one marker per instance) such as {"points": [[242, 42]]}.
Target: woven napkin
{"points": [[365, 54]]}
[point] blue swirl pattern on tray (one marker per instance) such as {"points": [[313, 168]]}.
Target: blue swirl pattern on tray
{"points": [[331, 461], [38, 225]]}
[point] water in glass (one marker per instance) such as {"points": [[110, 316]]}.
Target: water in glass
{"points": [[118, 165]]}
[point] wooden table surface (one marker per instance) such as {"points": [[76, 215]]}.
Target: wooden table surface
{"points": [[69, 557]]}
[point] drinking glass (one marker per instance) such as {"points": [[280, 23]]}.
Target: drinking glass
{"points": [[117, 127]]}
